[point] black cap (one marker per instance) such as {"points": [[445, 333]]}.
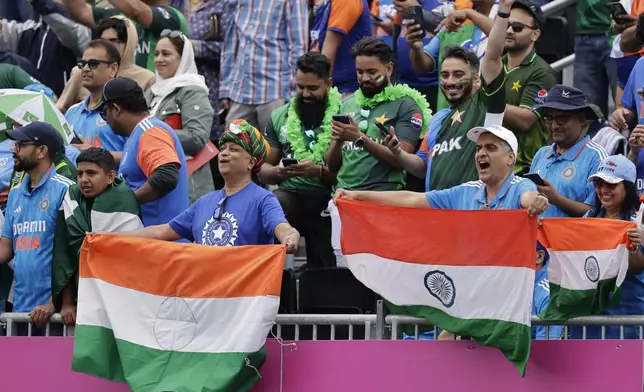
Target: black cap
{"points": [[534, 10], [124, 92], [564, 98], [39, 132]]}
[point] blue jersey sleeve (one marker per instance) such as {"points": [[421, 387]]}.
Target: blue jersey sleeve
{"points": [[272, 214], [444, 199], [541, 301], [630, 99], [7, 227], [182, 223], [522, 187], [432, 49]]}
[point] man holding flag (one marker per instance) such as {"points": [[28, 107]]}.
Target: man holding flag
{"points": [[99, 202]]}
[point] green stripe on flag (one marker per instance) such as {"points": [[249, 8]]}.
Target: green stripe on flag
{"points": [[565, 303], [148, 369], [513, 339]]}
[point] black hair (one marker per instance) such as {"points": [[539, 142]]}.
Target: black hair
{"points": [[372, 46], [466, 56], [98, 156], [135, 104], [178, 42], [316, 63], [112, 23], [113, 54], [630, 206]]}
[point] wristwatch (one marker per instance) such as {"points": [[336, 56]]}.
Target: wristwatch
{"points": [[503, 15], [359, 142]]}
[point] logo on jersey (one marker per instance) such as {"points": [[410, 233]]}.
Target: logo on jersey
{"points": [[164, 12], [541, 95], [220, 232], [568, 173], [4, 161], [44, 204], [417, 120], [100, 122]]}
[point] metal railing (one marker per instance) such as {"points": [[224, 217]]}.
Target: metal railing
{"points": [[357, 326]]}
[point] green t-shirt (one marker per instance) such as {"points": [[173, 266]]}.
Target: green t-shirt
{"points": [[164, 17], [452, 155], [524, 83], [360, 170], [593, 17], [12, 76], [276, 137]]}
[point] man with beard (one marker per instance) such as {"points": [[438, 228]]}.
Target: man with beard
{"points": [[357, 151], [301, 131], [529, 77], [33, 211]]}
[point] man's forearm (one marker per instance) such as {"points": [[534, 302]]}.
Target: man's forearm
{"points": [[635, 262], [421, 61], [382, 153], [633, 154], [394, 198], [481, 21], [573, 208], [519, 119], [270, 175], [413, 164], [145, 194], [333, 156], [492, 65]]}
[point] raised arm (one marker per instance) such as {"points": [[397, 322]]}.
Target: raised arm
{"points": [[492, 65], [405, 199], [136, 10], [81, 12]]}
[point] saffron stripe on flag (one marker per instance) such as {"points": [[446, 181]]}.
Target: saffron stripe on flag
{"points": [[170, 323], [582, 234], [174, 270], [388, 239]]}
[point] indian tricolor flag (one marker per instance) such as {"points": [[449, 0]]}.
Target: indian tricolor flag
{"points": [[165, 316], [468, 272], [588, 263]]}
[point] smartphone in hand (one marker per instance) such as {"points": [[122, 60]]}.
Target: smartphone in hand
{"points": [[289, 161], [416, 13], [617, 10], [534, 177], [343, 118]]}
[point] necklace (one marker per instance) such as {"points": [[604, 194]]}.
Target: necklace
{"points": [[392, 93], [315, 150]]}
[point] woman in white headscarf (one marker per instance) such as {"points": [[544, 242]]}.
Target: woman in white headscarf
{"points": [[180, 98]]}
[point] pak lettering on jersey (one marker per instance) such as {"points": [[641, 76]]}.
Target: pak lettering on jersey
{"points": [[386, 10], [143, 47], [447, 146]]}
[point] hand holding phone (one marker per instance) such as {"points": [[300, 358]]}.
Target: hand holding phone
{"points": [[534, 177], [342, 118], [289, 161], [376, 17], [617, 10], [416, 13]]}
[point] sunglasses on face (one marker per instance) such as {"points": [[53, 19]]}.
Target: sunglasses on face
{"points": [[220, 208], [93, 64], [171, 34], [518, 27], [560, 120]]}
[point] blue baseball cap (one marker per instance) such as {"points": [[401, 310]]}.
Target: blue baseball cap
{"points": [[615, 169], [565, 98], [39, 132]]}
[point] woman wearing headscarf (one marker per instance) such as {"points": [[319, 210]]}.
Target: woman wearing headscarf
{"points": [[180, 98], [121, 32], [242, 213], [616, 198]]}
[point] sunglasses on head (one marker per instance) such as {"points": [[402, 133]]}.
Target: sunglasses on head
{"points": [[93, 64], [518, 27], [171, 34]]}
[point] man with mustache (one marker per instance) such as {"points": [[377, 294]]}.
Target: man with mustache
{"points": [[357, 151], [300, 131]]}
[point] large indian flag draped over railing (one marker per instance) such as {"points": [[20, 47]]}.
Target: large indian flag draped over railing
{"points": [[588, 263], [167, 316], [468, 272]]}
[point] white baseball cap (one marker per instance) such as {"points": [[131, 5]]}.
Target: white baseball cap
{"points": [[498, 131]]}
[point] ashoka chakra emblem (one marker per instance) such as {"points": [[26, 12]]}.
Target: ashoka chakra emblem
{"points": [[592, 269], [441, 287]]}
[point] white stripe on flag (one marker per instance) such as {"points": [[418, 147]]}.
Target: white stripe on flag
{"points": [[204, 325], [478, 290], [115, 222], [567, 268]]}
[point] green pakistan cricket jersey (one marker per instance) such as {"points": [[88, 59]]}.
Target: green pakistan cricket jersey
{"points": [[360, 170], [524, 84], [451, 154]]}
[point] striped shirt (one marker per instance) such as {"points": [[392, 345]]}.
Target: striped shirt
{"points": [[262, 44]]}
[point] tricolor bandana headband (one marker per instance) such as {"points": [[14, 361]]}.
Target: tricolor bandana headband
{"points": [[249, 138]]}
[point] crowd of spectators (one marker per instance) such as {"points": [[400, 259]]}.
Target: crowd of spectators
{"points": [[234, 122]]}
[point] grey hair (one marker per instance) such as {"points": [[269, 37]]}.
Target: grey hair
{"points": [[507, 148]]}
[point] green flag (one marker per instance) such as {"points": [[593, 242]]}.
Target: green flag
{"points": [[115, 210]]}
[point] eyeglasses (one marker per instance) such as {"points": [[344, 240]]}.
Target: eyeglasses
{"points": [[19, 144], [518, 27], [172, 34], [560, 120], [93, 64], [220, 208]]}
